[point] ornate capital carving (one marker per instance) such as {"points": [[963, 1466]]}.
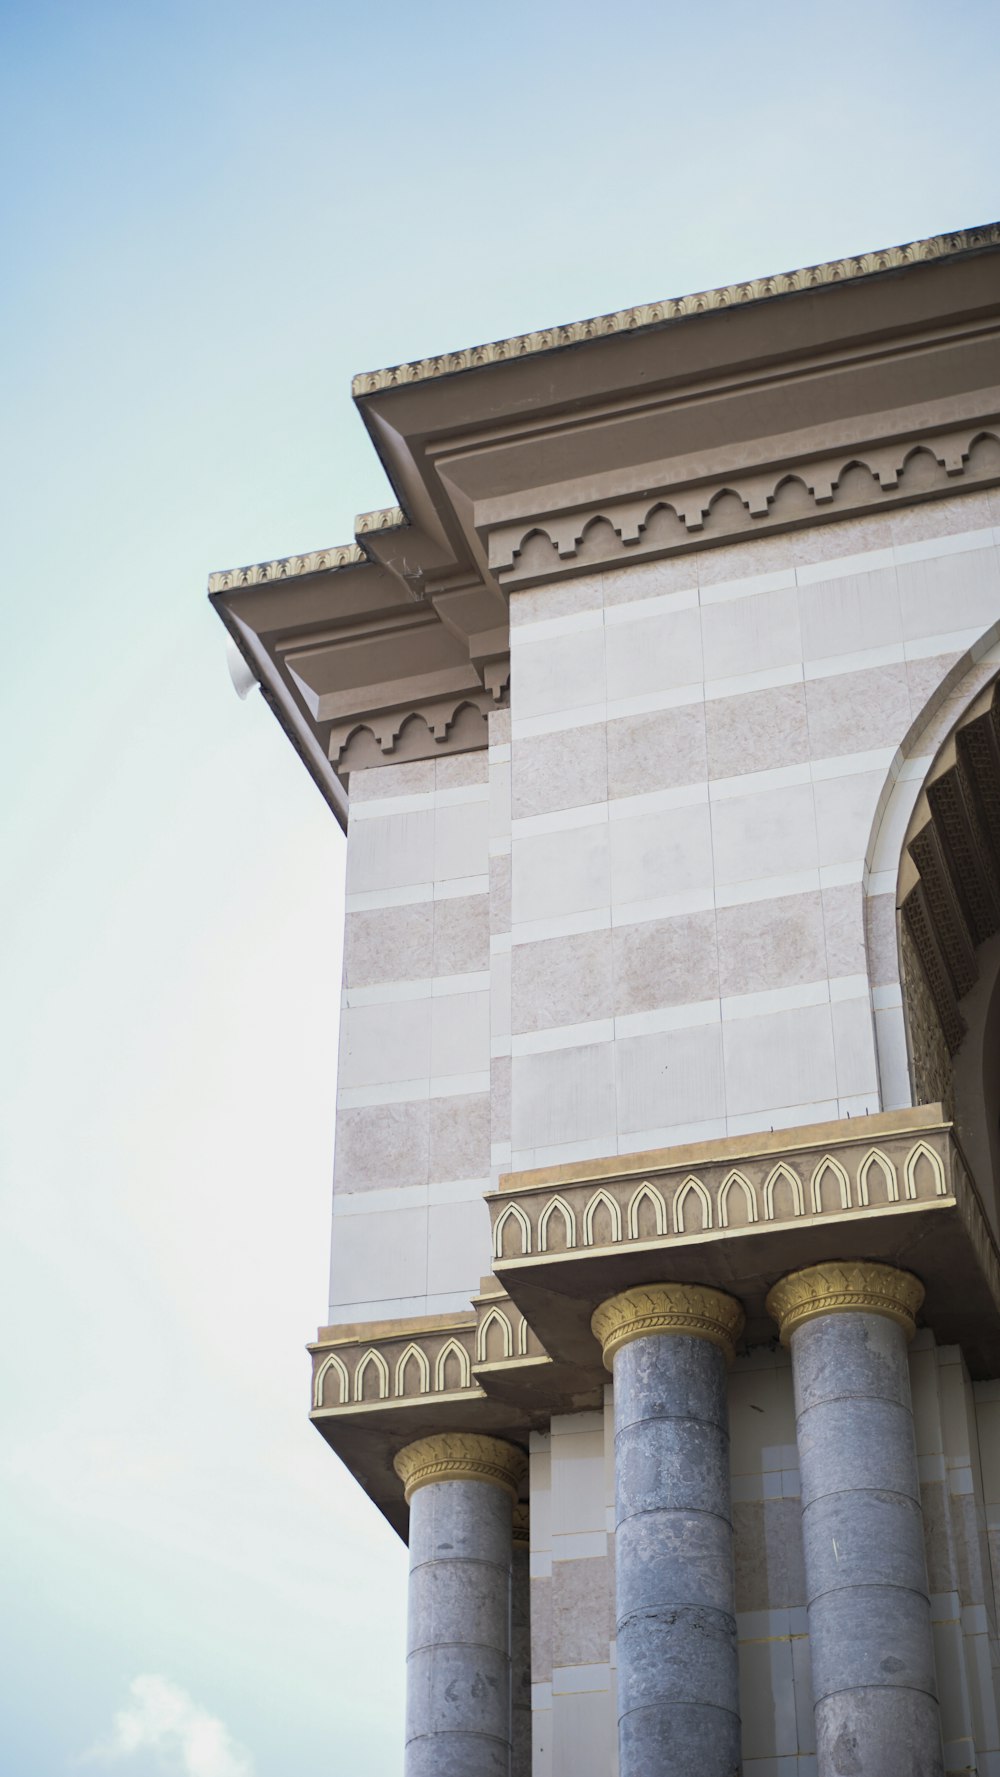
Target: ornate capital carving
{"points": [[656, 1308], [843, 1289], [521, 1527], [460, 1456]]}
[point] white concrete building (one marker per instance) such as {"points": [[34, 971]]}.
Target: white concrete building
{"points": [[662, 717]]}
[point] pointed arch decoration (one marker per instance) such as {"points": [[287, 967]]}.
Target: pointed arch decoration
{"points": [[736, 1180], [843, 1184], [876, 1161], [372, 1359], [557, 1206], [512, 1212], [783, 1174], [413, 1354], [599, 1198], [920, 1151], [646, 1193], [495, 1318], [452, 1349], [332, 1362], [692, 1187]]}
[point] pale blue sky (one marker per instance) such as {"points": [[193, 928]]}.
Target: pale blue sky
{"points": [[213, 213]]}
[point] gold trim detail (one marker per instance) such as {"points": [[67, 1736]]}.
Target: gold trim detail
{"points": [[521, 1525], [843, 1289], [460, 1456], [810, 277], [694, 1309], [288, 567]]}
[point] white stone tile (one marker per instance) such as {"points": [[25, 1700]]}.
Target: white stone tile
{"points": [[623, 808], [793, 1116], [461, 841], [387, 805], [848, 987], [663, 906], [559, 721], [854, 1047], [556, 675], [768, 679], [655, 854], [647, 702], [845, 813], [562, 1153], [878, 759], [458, 1085], [545, 629], [861, 660], [383, 993], [672, 1077], [386, 1202], [671, 1135], [379, 1257], [722, 592], [384, 1043], [752, 634], [459, 887], [958, 543], [563, 1036], [783, 1058], [401, 897], [953, 641], [868, 561], [775, 999], [571, 1680], [655, 651], [554, 874], [565, 1096], [751, 783], [458, 1245], [856, 612], [771, 833], [460, 1034], [634, 610], [531, 931], [949, 592], [646, 1024], [500, 754], [396, 851], [392, 1092], [499, 806], [458, 1190], [443, 986], [766, 888], [893, 1066], [561, 820], [583, 1729]]}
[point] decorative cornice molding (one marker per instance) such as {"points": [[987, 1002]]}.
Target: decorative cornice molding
{"points": [[460, 1456], [739, 507], [288, 567], [384, 518], [845, 1289], [663, 1308], [675, 308]]}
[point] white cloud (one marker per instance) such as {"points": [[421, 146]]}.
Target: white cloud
{"points": [[162, 1719]]}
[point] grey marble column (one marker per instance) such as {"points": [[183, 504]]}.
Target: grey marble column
{"points": [[520, 1648], [866, 1578], [460, 1490], [678, 1683]]}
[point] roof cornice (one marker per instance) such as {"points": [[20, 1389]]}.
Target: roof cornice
{"points": [[677, 308]]}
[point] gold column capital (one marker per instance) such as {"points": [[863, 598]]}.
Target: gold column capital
{"points": [[861, 1288], [655, 1308], [460, 1456], [521, 1526]]}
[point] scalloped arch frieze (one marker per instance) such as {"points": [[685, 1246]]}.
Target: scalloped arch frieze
{"points": [[732, 508]]}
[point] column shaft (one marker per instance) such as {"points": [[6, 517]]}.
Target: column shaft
{"points": [[520, 1674], [458, 1705], [678, 1684], [866, 1578]]}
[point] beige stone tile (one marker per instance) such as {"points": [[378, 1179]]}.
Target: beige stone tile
{"points": [[843, 925], [461, 768], [461, 935], [499, 727], [942, 518], [581, 1613], [541, 1631], [767, 944], [381, 1145], [856, 712], [561, 981], [568, 769], [412, 779], [460, 1137], [665, 962], [757, 732], [848, 536], [561, 598], [499, 896], [500, 1097], [763, 554], [926, 678], [656, 751], [389, 944], [649, 579], [883, 943]]}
